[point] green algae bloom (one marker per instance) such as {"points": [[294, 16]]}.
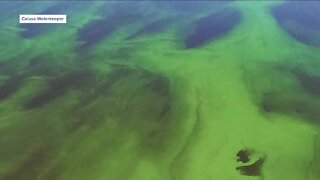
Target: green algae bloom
{"points": [[160, 90]]}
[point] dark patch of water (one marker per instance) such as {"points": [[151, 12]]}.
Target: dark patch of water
{"points": [[300, 19], [309, 82], [33, 30], [159, 85], [59, 8], [10, 86], [121, 7], [59, 86], [88, 116], [11, 7], [188, 6], [114, 77], [305, 13], [42, 65], [291, 106], [9, 67], [267, 103], [153, 27], [29, 170], [123, 53], [142, 95], [97, 30], [212, 27]]}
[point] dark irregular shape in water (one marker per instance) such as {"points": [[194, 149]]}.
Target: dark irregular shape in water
{"points": [[153, 27], [28, 169], [187, 6], [33, 30], [59, 87], [300, 19], [10, 87], [309, 83], [290, 105], [42, 65], [212, 27], [97, 30], [150, 91]]}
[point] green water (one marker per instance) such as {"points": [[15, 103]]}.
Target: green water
{"points": [[149, 109]]}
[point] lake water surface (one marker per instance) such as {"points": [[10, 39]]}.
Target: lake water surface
{"points": [[160, 90]]}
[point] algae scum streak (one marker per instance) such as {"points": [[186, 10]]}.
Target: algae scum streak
{"points": [[160, 90]]}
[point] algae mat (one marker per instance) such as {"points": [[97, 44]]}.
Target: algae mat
{"points": [[157, 90]]}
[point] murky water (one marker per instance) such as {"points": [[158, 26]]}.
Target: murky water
{"points": [[156, 90]]}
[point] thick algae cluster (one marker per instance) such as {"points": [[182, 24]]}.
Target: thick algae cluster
{"points": [[160, 90]]}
